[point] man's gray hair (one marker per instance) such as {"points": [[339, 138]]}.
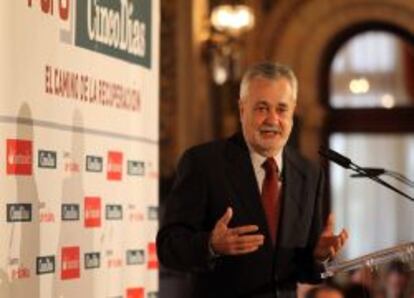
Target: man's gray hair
{"points": [[271, 71]]}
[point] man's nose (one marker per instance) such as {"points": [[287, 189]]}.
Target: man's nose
{"points": [[272, 117]]}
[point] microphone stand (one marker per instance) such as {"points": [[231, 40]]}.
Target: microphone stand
{"points": [[377, 172], [348, 164]]}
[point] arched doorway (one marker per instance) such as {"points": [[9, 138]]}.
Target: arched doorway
{"points": [[301, 34], [370, 106]]}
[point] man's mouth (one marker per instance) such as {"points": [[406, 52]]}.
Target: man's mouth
{"points": [[269, 131]]}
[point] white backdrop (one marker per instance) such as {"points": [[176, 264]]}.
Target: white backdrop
{"points": [[79, 148]]}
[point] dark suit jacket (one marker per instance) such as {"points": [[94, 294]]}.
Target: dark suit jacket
{"points": [[214, 176]]}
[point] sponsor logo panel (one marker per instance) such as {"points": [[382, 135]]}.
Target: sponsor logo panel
{"points": [[47, 159], [113, 261], [46, 216], [135, 293], [127, 33], [70, 165], [134, 214], [135, 257], [152, 256], [19, 157], [92, 260], [135, 168], [113, 212], [70, 212], [153, 212], [20, 273], [92, 212], [94, 164], [19, 212], [45, 265], [70, 266], [114, 168], [152, 295]]}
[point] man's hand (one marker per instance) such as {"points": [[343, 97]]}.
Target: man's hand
{"points": [[233, 241], [329, 244]]}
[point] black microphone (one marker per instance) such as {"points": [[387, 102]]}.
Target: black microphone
{"points": [[371, 173], [336, 157]]}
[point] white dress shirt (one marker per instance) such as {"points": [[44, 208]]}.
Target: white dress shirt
{"points": [[259, 171]]}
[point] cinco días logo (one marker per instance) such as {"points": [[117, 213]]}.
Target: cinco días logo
{"points": [[45, 265], [46, 159], [94, 163], [92, 260], [70, 212], [113, 212], [19, 212], [135, 168], [117, 28], [135, 257], [152, 212]]}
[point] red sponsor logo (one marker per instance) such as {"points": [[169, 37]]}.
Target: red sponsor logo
{"points": [[135, 293], [19, 157], [70, 262], [136, 216], [47, 7], [70, 165], [20, 273], [47, 217], [114, 263], [114, 168], [152, 256], [92, 212]]}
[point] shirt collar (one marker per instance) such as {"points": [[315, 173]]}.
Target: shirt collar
{"points": [[258, 160]]}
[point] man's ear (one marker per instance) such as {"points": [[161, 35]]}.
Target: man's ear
{"points": [[295, 109]]}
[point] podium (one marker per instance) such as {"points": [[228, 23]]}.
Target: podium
{"points": [[402, 252]]}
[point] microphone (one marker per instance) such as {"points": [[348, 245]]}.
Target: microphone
{"points": [[336, 157], [371, 173]]}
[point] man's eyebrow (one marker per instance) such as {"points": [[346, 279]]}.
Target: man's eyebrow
{"points": [[262, 102]]}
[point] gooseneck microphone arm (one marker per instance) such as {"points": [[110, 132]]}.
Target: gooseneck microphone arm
{"points": [[385, 172], [348, 164]]}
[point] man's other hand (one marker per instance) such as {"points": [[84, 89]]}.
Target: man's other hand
{"points": [[234, 241], [330, 244]]}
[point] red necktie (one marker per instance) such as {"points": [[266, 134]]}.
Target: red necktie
{"points": [[270, 196]]}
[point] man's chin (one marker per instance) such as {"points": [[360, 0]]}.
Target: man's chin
{"points": [[269, 148]]}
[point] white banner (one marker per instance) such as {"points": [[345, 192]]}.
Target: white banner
{"points": [[79, 87]]}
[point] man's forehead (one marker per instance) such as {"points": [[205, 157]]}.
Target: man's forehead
{"points": [[272, 98], [262, 86]]}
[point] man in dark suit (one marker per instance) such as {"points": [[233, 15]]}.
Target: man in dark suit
{"points": [[245, 213]]}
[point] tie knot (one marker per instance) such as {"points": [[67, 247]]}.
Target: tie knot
{"points": [[270, 165]]}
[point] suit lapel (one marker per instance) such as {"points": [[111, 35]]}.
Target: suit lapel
{"points": [[293, 182]]}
